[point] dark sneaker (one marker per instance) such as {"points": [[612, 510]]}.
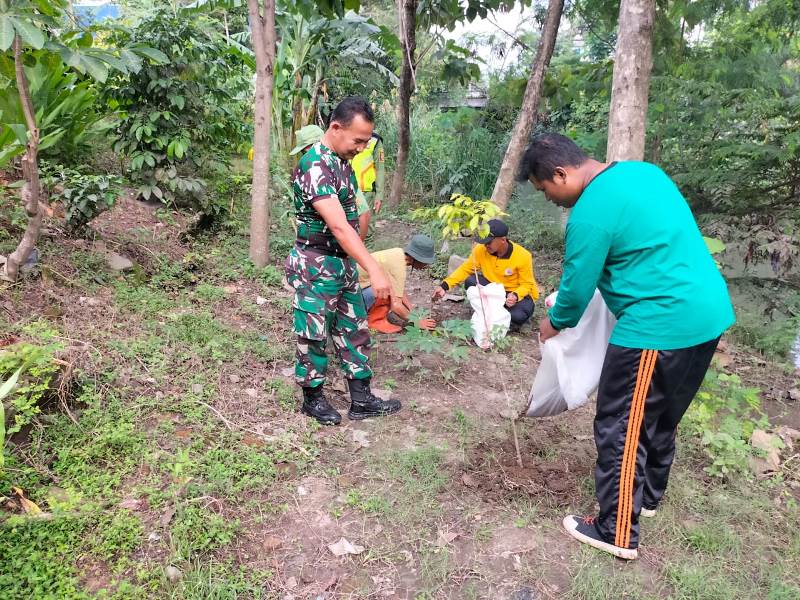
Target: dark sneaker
{"points": [[365, 404], [316, 405], [648, 512], [584, 530]]}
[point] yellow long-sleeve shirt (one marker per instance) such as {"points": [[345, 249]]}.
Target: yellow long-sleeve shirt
{"points": [[514, 271]]}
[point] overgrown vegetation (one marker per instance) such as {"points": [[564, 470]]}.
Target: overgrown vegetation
{"points": [[152, 446]]}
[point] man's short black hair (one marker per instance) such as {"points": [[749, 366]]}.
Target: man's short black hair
{"points": [[349, 107], [546, 152]]}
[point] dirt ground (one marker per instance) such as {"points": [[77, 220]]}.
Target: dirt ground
{"points": [[432, 499]]}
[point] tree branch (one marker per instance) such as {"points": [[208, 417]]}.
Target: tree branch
{"points": [[511, 35]]}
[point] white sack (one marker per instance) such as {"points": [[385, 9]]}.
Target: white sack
{"points": [[571, 361], [497, 317]]}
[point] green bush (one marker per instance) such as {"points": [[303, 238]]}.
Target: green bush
{"points": [[179, 118], [38, 372], [84, 196], [451, 153], [724, 415]]}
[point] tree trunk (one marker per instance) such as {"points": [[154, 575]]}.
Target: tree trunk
{"points": [[407, 15], [504, 185], [263, 34], [627, 119], [31, 190]]}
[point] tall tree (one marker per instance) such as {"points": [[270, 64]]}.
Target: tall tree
{"points": [[407, 16], [434, 16], [504, 185], [31, 190], [633, 62], [262, 26]]}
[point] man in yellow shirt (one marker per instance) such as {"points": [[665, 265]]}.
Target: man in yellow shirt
{"points": [[418, 254], [497, 260]]}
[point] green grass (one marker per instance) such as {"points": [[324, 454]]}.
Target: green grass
{"points": [[415, 478], [141, 299], [197, 530], [600, 577], [213, 580], [39, 558]]}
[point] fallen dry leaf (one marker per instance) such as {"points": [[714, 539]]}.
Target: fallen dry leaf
{"points": [[28, 506], [445, 537], [166, 516], [343, 547]]}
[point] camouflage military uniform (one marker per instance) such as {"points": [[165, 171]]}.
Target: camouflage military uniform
{"points": [[327, 295]]}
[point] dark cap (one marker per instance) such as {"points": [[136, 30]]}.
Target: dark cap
{"points": [[496, 229]]}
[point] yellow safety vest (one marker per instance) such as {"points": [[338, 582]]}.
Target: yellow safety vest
{"points": [[363, 165]]}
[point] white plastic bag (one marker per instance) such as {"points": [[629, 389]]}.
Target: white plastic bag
{"points": [[496, 318], [571, 361]]}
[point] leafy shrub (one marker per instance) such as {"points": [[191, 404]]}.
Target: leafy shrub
{"points": [[38, 371], [178, 117], [454, 331], [724, 415], [84, 196]]}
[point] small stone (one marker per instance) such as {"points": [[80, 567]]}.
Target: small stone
{"points": [[287, 372], [173, 574], [234, 378], [454, 262], [153, 537], [117, 262], [291, 583], [261, 300], [131, 504], [197, 388], [794, 394], [252, 392], [525, 593], [360, 438]]}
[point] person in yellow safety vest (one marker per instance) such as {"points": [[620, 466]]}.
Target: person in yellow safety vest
{"points": [[370, 173]]}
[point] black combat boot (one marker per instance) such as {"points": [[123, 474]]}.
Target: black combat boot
{"points": [[365, 404], [316, 405]]}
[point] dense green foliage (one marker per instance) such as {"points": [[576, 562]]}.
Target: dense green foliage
{"points": [[178, 120]]}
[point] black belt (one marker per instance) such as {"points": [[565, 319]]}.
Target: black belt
{"points": [[323, 251]]}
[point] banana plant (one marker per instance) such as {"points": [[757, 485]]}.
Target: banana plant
{"points": [[5, 389]]}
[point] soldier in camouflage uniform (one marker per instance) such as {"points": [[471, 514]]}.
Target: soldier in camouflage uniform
{"points": [[322, 268]]}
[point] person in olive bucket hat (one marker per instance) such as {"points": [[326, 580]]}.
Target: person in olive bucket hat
{"points": [[306, 137], [390, 315]]}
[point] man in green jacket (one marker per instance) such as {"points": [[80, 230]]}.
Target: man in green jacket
{"points": [[632, 235]]}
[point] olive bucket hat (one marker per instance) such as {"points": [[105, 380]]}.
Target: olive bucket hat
{"points": [[420, 248], [306, 136]]}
